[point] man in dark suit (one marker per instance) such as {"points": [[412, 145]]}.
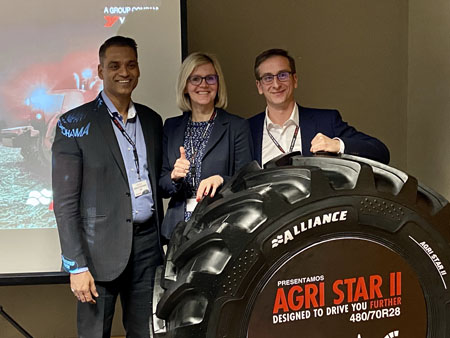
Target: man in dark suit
{"points": [[106, 161], [285, 126]]}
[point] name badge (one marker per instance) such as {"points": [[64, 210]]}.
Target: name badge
{"points": [[140, 188], [191, 203]]}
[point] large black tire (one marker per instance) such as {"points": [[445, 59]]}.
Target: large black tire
{"points": [[310, 247]]}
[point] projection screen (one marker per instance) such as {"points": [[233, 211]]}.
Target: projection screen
{"points": [[48, 65]]}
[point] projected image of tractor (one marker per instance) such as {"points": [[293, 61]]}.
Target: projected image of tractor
{"points": [[310, 247], [31, 105], [35, 136], [33, 128]]}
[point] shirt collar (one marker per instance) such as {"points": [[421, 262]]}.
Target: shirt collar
{"points": [[293, 119], [112, 109]]}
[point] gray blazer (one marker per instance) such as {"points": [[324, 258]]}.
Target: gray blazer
{"points": [[90, 188]]}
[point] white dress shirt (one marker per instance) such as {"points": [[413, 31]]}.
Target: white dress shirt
{"points": [[283, 134]]}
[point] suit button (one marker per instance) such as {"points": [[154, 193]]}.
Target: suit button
{"points": [[128, 220], [128, 194]]}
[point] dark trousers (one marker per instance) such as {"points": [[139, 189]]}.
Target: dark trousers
{"points": [[135, 288]]}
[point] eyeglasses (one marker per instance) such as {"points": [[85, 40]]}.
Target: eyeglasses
{"points": [[281, 76], [196, 80]]}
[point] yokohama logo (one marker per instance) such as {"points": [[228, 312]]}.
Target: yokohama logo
{"points": [[290, 234]]}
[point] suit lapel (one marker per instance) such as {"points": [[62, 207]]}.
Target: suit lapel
{"points": [[105, 125], [308, 129], [177, 136], [149, 137], [219, 129], [258, 139]]}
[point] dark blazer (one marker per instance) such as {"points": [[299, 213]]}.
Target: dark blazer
{"points": [[229, 148], [329, 123], [90, 188]]}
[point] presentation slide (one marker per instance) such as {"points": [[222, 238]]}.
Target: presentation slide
{"points": [[48, 65]]}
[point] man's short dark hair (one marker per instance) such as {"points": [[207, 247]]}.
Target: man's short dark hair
{"points": [[267, 54], [118, 40]]}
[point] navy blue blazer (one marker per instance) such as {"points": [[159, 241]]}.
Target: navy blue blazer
{"points": [[229, 148], [329, 123]]}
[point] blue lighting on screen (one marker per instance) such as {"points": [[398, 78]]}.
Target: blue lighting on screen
{"points": [[87, 73], [40, 99]]}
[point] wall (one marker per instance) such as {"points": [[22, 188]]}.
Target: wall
{"points": [[429, 93], [351, 55]]}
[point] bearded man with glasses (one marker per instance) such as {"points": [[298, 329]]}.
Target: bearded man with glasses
{"points": [[285, 126]]}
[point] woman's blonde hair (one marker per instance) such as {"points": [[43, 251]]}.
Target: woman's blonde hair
{"points": [[189, 64]]}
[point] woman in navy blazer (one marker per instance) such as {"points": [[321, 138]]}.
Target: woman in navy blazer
{"points": [[205, 146]]}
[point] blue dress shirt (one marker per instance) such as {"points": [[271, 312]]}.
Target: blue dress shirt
{"points": [[142, 206]]}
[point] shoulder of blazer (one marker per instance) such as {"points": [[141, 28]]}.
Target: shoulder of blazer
{"points": [[147, 112], [256, 124], [79, 116], [226, 116], [314, 120], [234, 121], [177, 120], [257, 119], [317, 113]]}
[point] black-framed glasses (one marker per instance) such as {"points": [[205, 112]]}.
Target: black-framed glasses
{"points": [[281, 76], [196, 80]]}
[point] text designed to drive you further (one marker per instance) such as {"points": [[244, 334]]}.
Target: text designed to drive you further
{"points": [[362, 298]]}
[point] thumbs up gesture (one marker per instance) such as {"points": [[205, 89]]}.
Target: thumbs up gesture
{"points": [[181, 166]]}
